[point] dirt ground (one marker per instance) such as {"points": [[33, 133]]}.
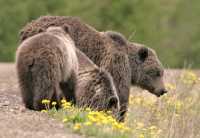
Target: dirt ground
{"points": [[18, 122]]}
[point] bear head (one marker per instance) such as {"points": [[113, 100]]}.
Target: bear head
{"points": [[147, 71]]}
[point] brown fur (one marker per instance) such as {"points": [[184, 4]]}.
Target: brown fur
{"points": [[147, 70], [95, 87], [96, 46], [45, 62]]}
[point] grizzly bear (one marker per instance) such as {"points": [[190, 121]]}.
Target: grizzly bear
{"points": [[146, 69], [95, 87], [99, 48], [44, 62]]}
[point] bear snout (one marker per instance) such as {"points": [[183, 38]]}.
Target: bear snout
{"points": [[113, 103], [161, 92]]}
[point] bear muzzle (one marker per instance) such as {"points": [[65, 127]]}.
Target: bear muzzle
{"points": [[161, 92]]}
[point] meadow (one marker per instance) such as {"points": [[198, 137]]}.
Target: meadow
{"points": [[174, 115]]}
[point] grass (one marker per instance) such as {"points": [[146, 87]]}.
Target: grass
{"points": [[174, 115]]}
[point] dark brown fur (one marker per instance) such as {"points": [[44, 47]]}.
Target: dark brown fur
{"points": [[96, 46], [147, 70], [95, 87], [44, 62]]}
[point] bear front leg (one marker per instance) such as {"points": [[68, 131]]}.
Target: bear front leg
{"points": [[118, 66], [69, 88]]}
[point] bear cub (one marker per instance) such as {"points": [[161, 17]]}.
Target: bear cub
{"points": [[95, 87], [45, 62]]}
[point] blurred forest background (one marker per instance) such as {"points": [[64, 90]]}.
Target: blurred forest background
{"points": [[171, 27]]}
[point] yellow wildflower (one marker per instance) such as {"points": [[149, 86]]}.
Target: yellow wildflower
{"points": [[53, 103], [63, 101], [65, 104], [88, 123], [141, 136], [45, 101], [138, 100], [65, 120], [170, 86], [111, 119], [105, 121], [44, 111], [109, 112], [152, 127], [177, 115], [189, 77], [178, 105], [117, 125], [92, 118], [77, 126], [88, 109]]}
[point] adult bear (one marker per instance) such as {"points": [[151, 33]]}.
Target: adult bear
{"points": [[44, 62], [147, 74]]}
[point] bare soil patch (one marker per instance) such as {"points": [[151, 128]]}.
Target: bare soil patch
{"points": [[18, 122]]}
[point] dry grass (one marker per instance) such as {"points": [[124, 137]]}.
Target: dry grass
{"points": [[174, 115]]}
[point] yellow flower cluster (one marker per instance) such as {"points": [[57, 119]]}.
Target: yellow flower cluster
{"points": [[54, 103], [178, 105], [45, 101], [83, 120], [65, 120], [77, 126], [172, 102], [65, 104], [44, 111], [170, 86], [189, 77], [102, 118]]}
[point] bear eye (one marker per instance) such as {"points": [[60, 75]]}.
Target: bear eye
{"points": [[155, 73], [159, 73], [151, 72]]}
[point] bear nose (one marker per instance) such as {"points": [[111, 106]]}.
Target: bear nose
{"points": [[113, 103], [163, 91]]}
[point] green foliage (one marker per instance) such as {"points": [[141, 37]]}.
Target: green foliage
{"points": [[171, 27]]}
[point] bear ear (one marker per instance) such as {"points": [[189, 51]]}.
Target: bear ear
{"points": [[65, 27], [40, 30], [143, 54], [22, 36], [117, 37]]}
